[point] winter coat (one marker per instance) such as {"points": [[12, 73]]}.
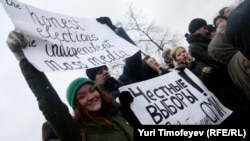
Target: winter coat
{"points": [[57, 113], [238, 65], [221, 85], [238, 28], [224, 52], [198, 48]]}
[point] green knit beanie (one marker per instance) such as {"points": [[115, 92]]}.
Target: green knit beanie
{"points": [[74, 86]]}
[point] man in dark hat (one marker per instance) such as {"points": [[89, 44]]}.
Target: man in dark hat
{"points": [[196, 24], [93, 74], [198, 40], [104, 80]]}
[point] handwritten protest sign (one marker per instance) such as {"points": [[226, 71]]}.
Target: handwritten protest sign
{"points": [[173, 99], [63, 43]]}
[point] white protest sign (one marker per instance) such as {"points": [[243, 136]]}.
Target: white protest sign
{"points": [[63, 43], [171, 100]]}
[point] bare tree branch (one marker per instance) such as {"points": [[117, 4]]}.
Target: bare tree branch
{"points": [[148, 36]]}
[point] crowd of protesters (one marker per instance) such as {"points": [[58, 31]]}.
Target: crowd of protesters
{"points": [[217, 53]]}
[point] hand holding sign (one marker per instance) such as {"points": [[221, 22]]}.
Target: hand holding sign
{"points": [[16, 42], [107, 21]]}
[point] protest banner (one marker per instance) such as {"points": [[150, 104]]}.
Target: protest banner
{"points": [[63, 43], [176, 98]]}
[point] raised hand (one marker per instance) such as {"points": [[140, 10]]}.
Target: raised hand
{"points": [[107, 21], [16, 41]]}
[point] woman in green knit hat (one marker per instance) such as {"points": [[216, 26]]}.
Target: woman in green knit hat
{"points": [[96, 115], [97, 112]]}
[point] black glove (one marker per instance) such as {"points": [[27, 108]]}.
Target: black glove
{"points": [[125, 98], [16, 42], [107, 21]]}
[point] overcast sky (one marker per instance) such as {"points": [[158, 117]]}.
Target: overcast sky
{"points": [[20, 118]]}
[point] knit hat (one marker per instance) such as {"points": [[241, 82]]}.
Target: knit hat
{"points": [[74, 86], [196, 24], [91, 72]]}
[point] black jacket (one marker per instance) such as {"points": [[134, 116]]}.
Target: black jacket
{"points": [[238, 28]]}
